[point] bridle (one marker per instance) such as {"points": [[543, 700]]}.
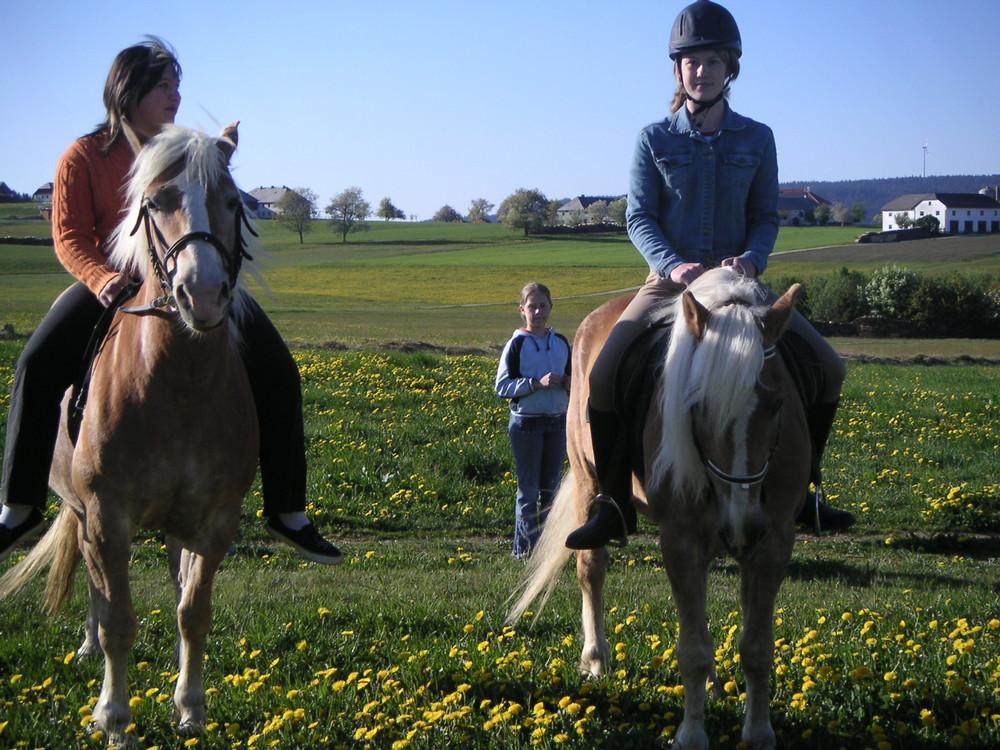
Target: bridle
{"points": [[743, 481], [234, 261]]}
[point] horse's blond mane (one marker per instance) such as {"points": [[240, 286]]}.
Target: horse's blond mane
{"points": [[716, 374], [204, 163]]}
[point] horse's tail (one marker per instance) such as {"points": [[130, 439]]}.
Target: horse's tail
{"points": [[58, 549], [550, 554]]}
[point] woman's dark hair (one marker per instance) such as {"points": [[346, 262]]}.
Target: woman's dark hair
{"points": [[134, 73]]}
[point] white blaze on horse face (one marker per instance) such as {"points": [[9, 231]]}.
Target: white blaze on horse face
{"points": [[201, 284], [739, 504]]}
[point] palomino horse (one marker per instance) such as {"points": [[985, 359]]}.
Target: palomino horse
{"points": [[168, 440], [726, 469]]}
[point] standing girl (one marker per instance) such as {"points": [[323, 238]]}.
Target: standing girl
{"points": [[534, 376]]}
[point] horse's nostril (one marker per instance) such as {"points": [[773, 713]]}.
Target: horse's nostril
{"points": [[181, 295]]}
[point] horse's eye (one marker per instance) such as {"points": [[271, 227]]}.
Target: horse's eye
{"points": [[151, 205]]}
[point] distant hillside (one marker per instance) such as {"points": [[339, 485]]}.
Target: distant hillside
{"points": [[876, 193]]}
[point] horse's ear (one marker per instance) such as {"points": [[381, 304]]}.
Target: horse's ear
{"points": [[695, 315], [230, 137], [777, 317]]}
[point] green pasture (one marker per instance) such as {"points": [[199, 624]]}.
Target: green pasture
{"points": [[886, 638], [456, 284]]}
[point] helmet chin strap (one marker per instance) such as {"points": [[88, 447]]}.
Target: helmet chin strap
{"points": [[704, 106]]}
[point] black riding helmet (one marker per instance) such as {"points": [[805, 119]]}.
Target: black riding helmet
{"points": [[704, 24]]}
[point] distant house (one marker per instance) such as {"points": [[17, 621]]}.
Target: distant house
{"points": [[580, 204], [43, 194], [266, 198], [795, 206], [957, 213]]}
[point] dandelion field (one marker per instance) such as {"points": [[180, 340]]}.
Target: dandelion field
{"points": [[886, 638]]}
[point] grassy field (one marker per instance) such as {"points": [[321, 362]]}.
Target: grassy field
{"points": [[456, 284], [887, 638]]}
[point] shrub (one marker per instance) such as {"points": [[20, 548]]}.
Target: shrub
{"points": [[837, 298], [888, 291]]}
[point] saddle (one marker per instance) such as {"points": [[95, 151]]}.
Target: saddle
{"points": [[642, 365]]}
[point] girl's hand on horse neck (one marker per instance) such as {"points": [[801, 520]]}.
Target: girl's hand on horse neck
{"points": [[685, 273], [742, 265]]}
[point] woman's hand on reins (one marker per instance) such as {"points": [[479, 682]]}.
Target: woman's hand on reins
{"points": [[111, 289]]}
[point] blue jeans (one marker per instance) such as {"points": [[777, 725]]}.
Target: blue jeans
{"points": [[539, 445]]}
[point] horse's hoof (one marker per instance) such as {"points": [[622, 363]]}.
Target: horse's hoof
{"points": [[88, 650], [191, 726]]}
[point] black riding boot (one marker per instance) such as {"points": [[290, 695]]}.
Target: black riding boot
{"points": [[815, 513], [615, 516]]}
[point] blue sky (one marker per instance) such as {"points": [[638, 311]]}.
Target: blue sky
{"points": [[439, 102]]}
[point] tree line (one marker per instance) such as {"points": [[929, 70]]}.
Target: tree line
{"points": [[525, 210]]}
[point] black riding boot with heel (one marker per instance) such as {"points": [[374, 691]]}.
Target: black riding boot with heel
{"points": [[815, 513], [614, 517]]}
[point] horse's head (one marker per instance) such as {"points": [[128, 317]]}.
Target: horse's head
{"points": [[190, 214], [727, 413]]}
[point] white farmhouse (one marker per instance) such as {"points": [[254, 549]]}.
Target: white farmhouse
{"points": [[580, 204], [957, 213], [266, 197]]}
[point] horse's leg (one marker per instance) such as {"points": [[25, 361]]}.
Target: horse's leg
{"points": [[761, 578], [194, 616], [91, 645], [106, 553], [687, 568], [591, 571]]}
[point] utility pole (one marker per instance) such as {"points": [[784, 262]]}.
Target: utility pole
{"points": [[925, 159]]}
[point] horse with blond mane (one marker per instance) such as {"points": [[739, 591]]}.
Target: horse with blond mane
{"points": [[168, 439], [724, 431]]}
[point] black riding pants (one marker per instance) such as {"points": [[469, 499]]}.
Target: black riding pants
{"points": [[51, 362]]}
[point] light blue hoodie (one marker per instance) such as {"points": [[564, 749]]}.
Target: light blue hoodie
{"points": [[527, 356]]}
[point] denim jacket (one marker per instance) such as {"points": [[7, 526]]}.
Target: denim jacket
{"points": [[694, 199]]}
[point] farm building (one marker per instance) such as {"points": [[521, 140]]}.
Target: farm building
{"points": [[43, 194], [957, 213], [266, 197], [795, 206], [580, 204]]}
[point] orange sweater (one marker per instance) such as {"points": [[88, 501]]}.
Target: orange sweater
{"points": [[88, 202]]}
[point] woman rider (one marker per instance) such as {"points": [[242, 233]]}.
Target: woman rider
{"points": [[140, 96], [703, 192]]}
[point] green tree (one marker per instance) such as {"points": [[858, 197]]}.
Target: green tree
{"points": [[387, 211], [821, 214], [903, 220], [524, 209], [928, 223], [348, 211], [597, 212], [618, 211], [859, 213], [447, 213], [296, 210], [479, 210]]}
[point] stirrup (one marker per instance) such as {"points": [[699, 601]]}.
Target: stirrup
{"points": [[617, 543], [605, 523]]}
